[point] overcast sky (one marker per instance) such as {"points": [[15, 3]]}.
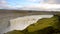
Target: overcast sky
{"points": [[18, 4]]}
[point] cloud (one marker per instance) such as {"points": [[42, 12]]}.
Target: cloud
{"points": [[15, 7], [34, 1], [3, 4], [57, 1], [43, 7], [52, 1], [46, 1]]}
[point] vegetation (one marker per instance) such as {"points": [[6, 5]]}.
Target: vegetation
{"points": [[43, 26], [14, 32], [43, 23]]}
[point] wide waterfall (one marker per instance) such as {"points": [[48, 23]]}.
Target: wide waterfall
{"points": [[20, 23]]}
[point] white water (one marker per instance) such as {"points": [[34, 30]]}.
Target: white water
{"points": [[22, 22]]}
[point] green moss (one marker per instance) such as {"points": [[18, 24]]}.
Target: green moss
{"points": [[43, 23], [57, 25], [15, 32]]}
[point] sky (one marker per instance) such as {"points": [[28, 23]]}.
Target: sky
{"points": [[19, 3], [29, 4]]}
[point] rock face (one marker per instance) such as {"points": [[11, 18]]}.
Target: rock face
{"points": [[3, 25]]}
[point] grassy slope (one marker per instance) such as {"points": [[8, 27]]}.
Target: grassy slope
{"points": [[43, 23]]}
